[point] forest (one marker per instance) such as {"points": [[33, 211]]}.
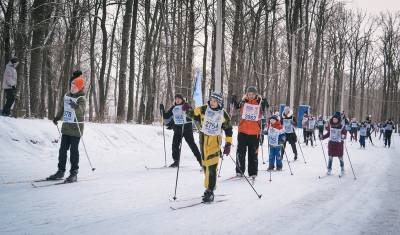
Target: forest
{"points": [[136, 54]]}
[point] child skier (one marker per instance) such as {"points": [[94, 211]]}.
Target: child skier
{"points": [[182, 126], [309, 124], [213, 119], [389, 126], [368, 123], [363, 134], [337, 134], [251, 107], [73, 111], [276, 137], [289, 122]]}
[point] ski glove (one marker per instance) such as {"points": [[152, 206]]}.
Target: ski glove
{"points": [[227, 149], [55, 121], [185, 107], [162, 108], [13, 87], [73, 104]]}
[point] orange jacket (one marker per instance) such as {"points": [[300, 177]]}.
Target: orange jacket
{"points": [[250, 127]]}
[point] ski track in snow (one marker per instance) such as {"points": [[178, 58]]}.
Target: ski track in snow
{"points": [[122, 197]]}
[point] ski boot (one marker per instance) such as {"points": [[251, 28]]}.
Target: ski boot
{"points": [[73, 177], [175, 164], [208, 196], [57, 176]]}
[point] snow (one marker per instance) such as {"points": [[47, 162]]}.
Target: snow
{"points": [[122, 197]]}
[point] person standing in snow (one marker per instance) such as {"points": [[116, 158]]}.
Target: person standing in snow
{"points": [[336, 134], [353, 129], [252, 106], [320, 125], [213, 119], [309, 126], [368, 122], [10, 85], [363, 134], [389, 126], [73, 111], [182, 126], [289, 122], [276, 138]]}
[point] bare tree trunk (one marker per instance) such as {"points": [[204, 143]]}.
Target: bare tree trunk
{"points": [[132, 62]]}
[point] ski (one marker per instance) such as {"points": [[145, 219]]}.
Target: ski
{"points": [[29, 181], [194, 198], [158, 168], [54, 184], [325, 176], [196, 204], [232, 178]]}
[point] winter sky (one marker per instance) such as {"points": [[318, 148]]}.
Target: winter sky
{"points": [[375, 6]]}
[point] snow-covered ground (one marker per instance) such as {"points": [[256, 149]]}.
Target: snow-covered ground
{"points": [[122, 197]]}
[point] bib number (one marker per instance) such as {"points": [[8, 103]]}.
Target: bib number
{"points": [[251, 112]]}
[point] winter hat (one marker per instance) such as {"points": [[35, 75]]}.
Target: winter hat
{"points": [[252, 89], [274, 117], [79, 82], [75, 74], [14, 60], [180, 96], [219, 98]]}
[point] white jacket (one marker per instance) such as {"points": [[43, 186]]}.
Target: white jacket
{"points": [[10, 76]]}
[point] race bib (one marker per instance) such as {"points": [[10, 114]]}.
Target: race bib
{"points": [[363, 131], [212, 124], [354, 124], [69, 112], [311, 124], [287, 125], [389, 127], [178, 115], [273, 137], [251, 112], [368, 126], [335, 135]]}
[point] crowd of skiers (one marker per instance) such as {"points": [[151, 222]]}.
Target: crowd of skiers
{"points": [[211, 120]]}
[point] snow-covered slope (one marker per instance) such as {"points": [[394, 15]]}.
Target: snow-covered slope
{"points": [[122, 197]]}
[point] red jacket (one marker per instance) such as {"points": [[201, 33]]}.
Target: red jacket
{"points": [[250, 127]]}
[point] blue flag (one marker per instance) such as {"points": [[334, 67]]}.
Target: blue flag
{"points": [[197, 94]]}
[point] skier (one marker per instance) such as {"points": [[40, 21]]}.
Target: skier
{"points": [[353, 129], [363, 134], [251, 107], [10, 85], [337, 134], [304, 124], [389, 126], [276, 138], [213, 119], [320, 125], [176, 118], [368, 122], [381, 129], [289, 122], [309, 124], [73, 111]]}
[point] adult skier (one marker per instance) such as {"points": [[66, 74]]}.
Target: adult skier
{"points": [[182, 127], [251, 107]]}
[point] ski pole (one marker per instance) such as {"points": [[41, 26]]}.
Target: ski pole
{"points": [[270, 177], [165, 150], [348, 156], [258, 195], [287, 159], [301, 150], [179, 162], [83, 142], [59, 133], [262, 151], [323, 151]]}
